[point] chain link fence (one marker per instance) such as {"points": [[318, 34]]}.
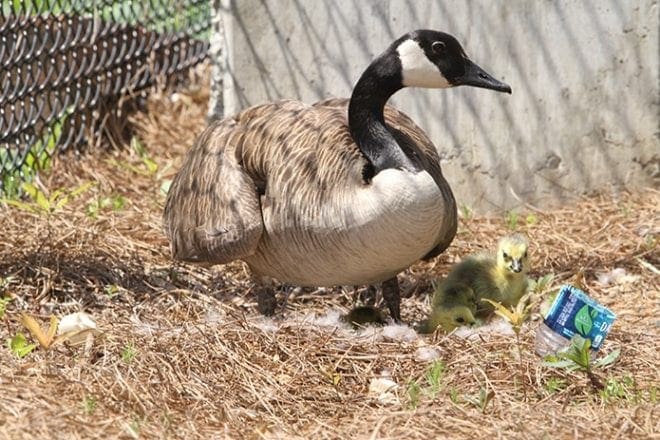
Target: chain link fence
{"points": [[63, 63]]}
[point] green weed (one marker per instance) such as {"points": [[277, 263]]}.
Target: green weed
{"points": [[128, 353], [111, 290], [453, 395], [20, 346], [466, 212], [434, 378], [511, 220], [414, 391], [149, 164], [621, 389], [578, 357], [89, 405], [114, 203], [44, 203], [531, 219], [554, 384]]}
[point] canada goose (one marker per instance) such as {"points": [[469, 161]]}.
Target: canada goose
{"points": [[342, 192], [452, 306]]}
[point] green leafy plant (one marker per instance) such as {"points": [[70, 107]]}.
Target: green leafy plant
{"points": [[518, 314], [619, 389], [578, 357], [44, 203], [20, 346]]}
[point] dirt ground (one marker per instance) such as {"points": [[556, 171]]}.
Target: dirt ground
{"points": [[181, 351]]}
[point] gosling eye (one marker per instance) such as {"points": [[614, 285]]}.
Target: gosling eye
{"points": [[460, 320], [438, 47], [505, 255], [525, 254]]}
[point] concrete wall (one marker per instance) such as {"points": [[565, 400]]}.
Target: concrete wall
{"points": [[584, 112]]}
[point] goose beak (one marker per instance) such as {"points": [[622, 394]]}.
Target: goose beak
{"points": [[477, 77]]}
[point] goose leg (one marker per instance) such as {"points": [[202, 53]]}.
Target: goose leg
{"points": [[392, 297]]}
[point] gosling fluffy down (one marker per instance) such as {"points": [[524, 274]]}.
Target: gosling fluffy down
{"points": [[501, 278], [452, 307]]}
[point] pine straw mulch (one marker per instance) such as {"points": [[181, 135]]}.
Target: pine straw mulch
{"points": [[184, 354]]}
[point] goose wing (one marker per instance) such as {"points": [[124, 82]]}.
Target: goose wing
{"points": [[212, 213]]}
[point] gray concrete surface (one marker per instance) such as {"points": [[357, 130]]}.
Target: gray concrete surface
{"points": [[584, 112]]}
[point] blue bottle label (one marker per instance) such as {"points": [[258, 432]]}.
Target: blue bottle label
{"points": [[574, 312]]}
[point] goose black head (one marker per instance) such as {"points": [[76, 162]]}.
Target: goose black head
{"points": [[434, 59]]}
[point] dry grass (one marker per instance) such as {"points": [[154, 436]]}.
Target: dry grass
{"points": [[184, 354]]}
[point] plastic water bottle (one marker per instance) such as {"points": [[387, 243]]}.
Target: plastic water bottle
{"points": [[573, 312]]}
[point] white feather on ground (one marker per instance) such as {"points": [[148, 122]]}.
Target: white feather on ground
{"points": [[384, 389], [497, 326], [427, 354]]}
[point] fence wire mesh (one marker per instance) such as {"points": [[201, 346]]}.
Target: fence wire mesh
{"points": [[64, 62]]}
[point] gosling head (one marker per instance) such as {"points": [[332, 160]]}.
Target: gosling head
{"points": [[435, 59], [449, 318], [512, 254]]}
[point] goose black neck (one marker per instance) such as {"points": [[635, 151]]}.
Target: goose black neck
{"points": [[365, 114]]}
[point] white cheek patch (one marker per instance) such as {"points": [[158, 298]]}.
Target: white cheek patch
{"points": [[417, 70]]}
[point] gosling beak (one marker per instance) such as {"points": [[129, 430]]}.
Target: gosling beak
{"points": [[477, 77], [516, 266]]}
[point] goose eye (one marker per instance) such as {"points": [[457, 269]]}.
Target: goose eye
{"points": [[438, 47], [460, 320]]}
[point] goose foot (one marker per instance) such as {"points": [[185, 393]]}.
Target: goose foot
{"points": [[392, 297]]}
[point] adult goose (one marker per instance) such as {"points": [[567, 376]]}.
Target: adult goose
{"points": [[342, 192]]}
